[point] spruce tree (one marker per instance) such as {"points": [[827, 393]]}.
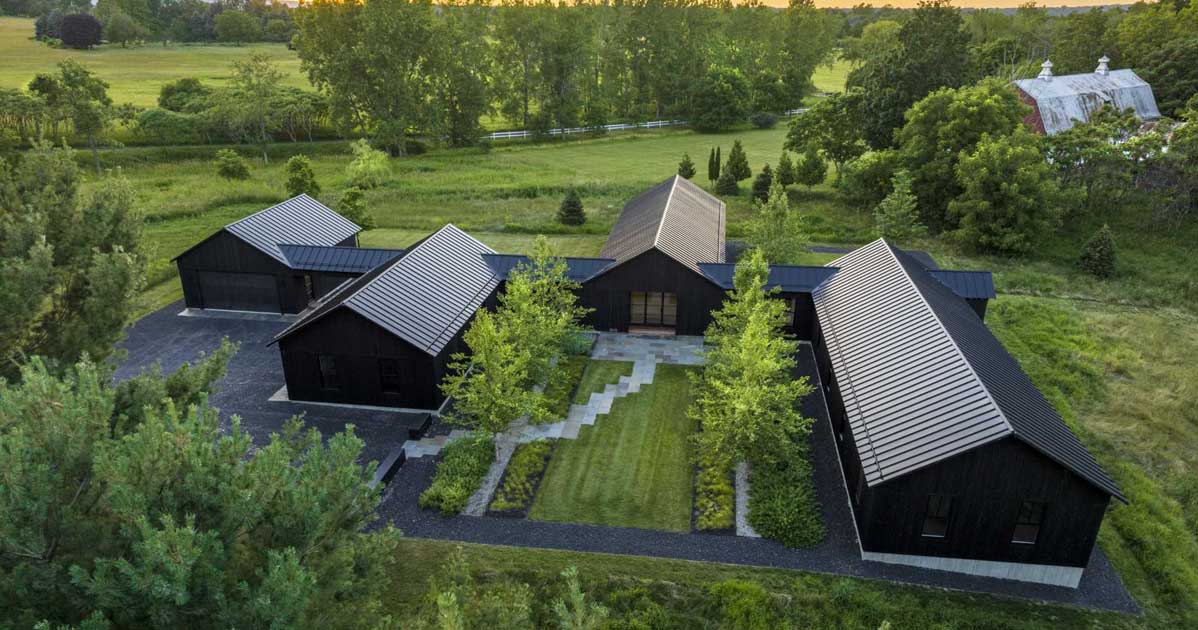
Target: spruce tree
{"points": [[1098, 257], [686, 167], [738, 162], [897, 217], [726, 184], [811, 169], [786, 170], [571, 212], [761, 185]]}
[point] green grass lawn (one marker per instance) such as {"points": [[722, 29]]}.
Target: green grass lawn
{"points": [[599, 374], [632, 468]]}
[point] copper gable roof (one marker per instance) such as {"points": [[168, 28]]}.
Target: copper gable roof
{"points": [[675, 217]]}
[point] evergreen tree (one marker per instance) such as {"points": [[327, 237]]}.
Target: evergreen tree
{"points": [[1098, 257], [571, 211], [301, 180], [686, 168], [713, 170], [726, 185], [738, 162], [811, 169], [897, 217], [786, 170], [352, 206], [761, 185]]}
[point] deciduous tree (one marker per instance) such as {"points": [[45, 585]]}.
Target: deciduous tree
{"points": [[831, 126], [719, 101], [777, 231], [301, 179]]}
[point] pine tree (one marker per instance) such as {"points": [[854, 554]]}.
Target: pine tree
{"points": [[786, 170], [713, 167], [571, 211], [897, 217], [761, 185], [686, 168], [811, 169], [301, 180], [726, 184], [1098, 257], [738, 162]]}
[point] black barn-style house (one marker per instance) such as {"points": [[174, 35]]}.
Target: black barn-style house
{"points": [[952, 459], [277, 260]]}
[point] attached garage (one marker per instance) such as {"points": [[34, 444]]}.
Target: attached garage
{"points": [[277, 260], [239, 291]]}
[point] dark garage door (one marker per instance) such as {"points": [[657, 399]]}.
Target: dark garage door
{"points": [[239, 291]]}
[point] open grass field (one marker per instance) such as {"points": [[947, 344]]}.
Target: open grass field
{"points": [[632, 468], [136, 73]]}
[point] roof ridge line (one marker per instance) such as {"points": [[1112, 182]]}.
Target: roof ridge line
{"points": [[396, 261], [665, 210], [272, 207], [956, 347]]}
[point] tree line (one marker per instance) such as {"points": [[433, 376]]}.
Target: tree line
{"points": [[125, 21], [402, 68]]}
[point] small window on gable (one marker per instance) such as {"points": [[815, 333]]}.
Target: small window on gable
{"points": [[328, 371], [935, 522], [1027, 524], [389, 375]]}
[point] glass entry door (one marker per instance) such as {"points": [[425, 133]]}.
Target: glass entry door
{"points": [[653, 309]]}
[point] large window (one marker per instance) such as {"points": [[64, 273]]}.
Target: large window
{"points": [[653, 309], [389, 375], [1027, 524], [790, 311], [328, 371], [935, 523]]}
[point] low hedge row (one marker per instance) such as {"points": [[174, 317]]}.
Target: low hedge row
{"points": [[715, 495], [519, 483], [783, 505], [559, 391], [464, 463]]}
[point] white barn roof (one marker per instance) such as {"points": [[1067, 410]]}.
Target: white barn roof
{"points": [[1073, 97]]}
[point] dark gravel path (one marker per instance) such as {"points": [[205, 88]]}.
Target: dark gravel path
{"points": [[255, 373], [838, 554]]}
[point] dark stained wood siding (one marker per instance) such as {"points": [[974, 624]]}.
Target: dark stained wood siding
{"points": [[224, 252], [987, 484], [356, 345], [609, 293]]}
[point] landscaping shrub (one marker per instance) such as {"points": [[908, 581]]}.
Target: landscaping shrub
{"points": [[1098, 257], [782, 501], [369, 167], [230, 165], [527, 465], [715, 496], [571, 212], [579, 344], [164, 126], [764, 120], [463, 465], [301, 180], [80, 30], [352, 206], [564, 379]]}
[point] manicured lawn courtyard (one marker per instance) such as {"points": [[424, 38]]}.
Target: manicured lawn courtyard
{"points": [[632, 468]]}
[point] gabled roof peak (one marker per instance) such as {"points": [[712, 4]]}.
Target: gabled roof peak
{"points": [[676, 217]]}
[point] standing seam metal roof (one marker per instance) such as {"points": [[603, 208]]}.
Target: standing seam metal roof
{"points": [[921, 376], [577, 269], [677, 217], [300, 220], [336, 259], [786, 278], [425, 296]]}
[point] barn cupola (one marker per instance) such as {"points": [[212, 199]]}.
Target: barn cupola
{"points": [[1045, 71], [1103, 68]]}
